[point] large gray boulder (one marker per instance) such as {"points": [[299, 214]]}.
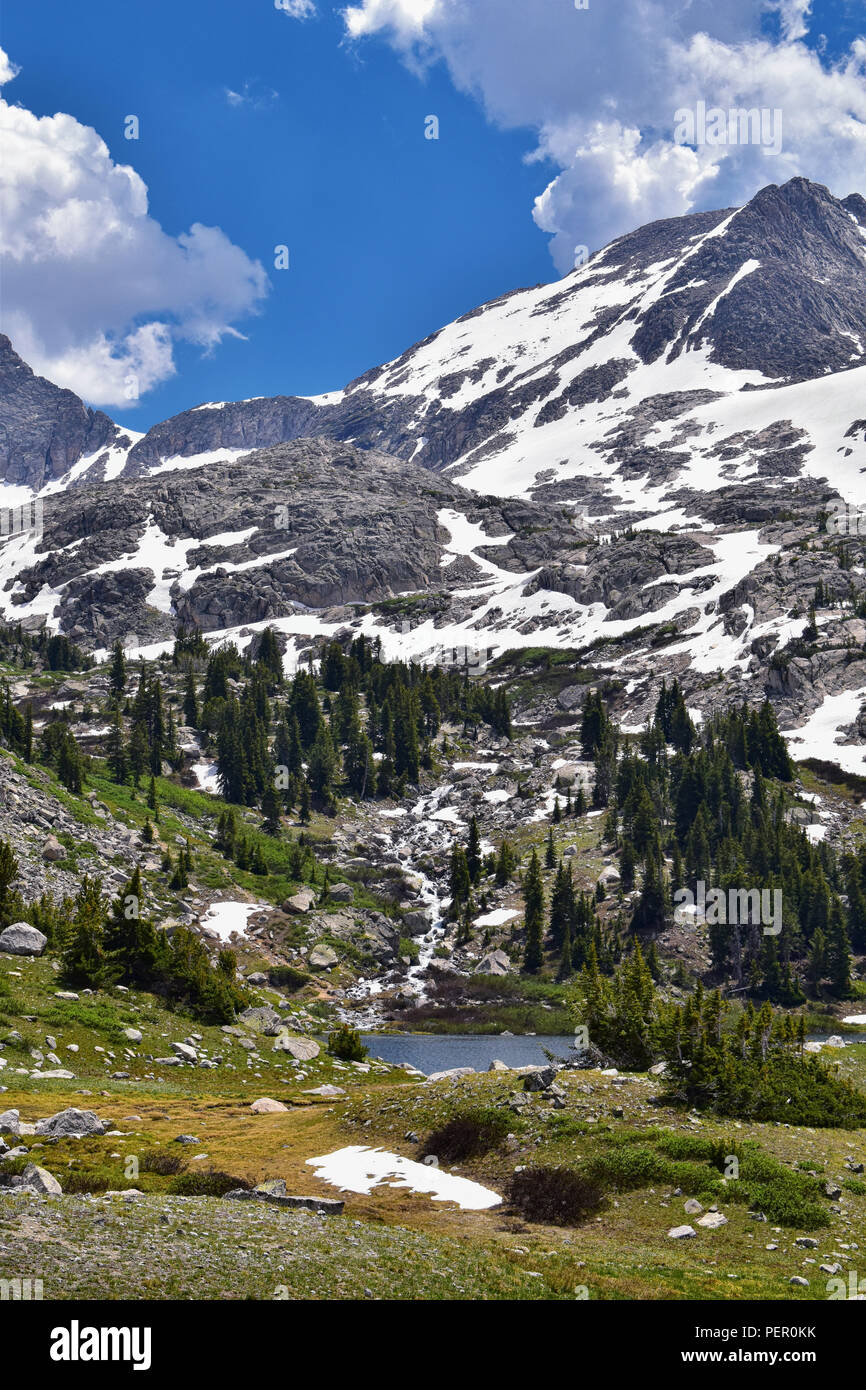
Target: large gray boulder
{"points": [[265, 1106], [299, 902], [322, 957], [41, 1180], [341, 893], [71, 1124], [302, 1049], [20, 939], [494, 963], [417, 923], [10, 1123], [262, 1019]]}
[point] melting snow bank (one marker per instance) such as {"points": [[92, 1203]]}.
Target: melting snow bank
{"points": [[855, 1018], [225, 918], [820, 736], [359, 1169], [207, 777]]}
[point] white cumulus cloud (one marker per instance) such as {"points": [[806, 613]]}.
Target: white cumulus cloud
{"points": [[95, 293], [296, 9], [600, 88]]}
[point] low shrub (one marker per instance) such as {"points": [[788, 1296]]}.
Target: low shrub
{"points": [[554, 1196], [345, 1043], [206, 1182], [782, 1194], [676, 1145], [75, 1181], [287, 977], [469, 1134], [628, 1167], [163, 1162], [780, 1203]]}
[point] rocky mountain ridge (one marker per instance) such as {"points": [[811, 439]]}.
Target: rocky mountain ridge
{"points": [[635, 464]]}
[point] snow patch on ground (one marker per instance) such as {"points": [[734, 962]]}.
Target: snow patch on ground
{"points": [[497, 918], [359, 1169], [227, 918], [206, 775], [819, 736]]}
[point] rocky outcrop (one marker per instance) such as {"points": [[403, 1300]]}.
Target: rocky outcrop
{"points": [[45, 430]]}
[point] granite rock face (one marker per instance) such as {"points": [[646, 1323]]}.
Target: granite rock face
{"points": [[308, 525], [45, 430]]}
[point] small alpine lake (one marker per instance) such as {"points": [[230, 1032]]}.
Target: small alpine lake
{"points": [[431, 1052]]}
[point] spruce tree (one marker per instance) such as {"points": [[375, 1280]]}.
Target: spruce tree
{"points": [[460, 882], [838, 957], [533, 895], [272, 809], [550, 852], [117, 674], [116, 749], [191, 713], [82, 960], [473, 851]]}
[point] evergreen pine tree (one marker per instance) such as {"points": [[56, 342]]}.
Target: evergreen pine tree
{"points": [[473, 852], [533, 894]]}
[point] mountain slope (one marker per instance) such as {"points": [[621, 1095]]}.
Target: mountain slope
{"points": [[610, 386], [636, 460], [595, 382]]}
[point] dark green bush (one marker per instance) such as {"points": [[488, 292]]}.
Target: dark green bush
{"points": [[206, 1182], [676, 1145], [784, 1195], [287, 977], [163, 1162], [345, 1043], [628, 1167], [74, 1181], [469, 1134], [554, 1196]]}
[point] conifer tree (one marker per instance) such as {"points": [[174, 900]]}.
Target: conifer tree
{"points": [[191, 712], [117, 673], [116, 749], [550, 852], [533, 896], [473, 852], [460, 884]]}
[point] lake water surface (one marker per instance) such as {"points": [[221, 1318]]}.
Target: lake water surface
{"points": [[441, 1052]]}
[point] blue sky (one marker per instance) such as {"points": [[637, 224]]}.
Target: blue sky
{"points": [[390, 235]]}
